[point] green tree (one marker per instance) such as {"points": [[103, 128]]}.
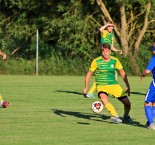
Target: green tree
{"points": [[132, 21]]}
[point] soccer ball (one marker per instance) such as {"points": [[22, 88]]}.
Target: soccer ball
{"points": [[4, 104], [97, 107]]}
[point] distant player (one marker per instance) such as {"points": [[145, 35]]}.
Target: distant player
{"points": [[107, 36], [149, 104], [4, 56], [104, 67]]}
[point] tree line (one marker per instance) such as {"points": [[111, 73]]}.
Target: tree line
{"points": [[70, 30]]}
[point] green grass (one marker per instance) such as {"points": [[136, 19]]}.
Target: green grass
{"points": [[50, 110]]}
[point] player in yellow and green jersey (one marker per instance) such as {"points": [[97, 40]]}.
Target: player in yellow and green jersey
{"points": [[104, 68], [106, 37]]}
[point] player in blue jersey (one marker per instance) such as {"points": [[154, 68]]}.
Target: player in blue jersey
{"points": [[149, 104]]}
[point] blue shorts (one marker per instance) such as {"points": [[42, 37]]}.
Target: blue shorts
{"points": [[150, 96]]}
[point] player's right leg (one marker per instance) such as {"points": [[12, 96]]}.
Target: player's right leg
{"points": [[91, 91]]}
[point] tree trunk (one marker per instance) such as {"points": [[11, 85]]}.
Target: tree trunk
{"points": [[142, 32], [107, 15], [123, 36]]}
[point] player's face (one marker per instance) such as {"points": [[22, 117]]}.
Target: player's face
{"points": [[110, 28], [106, 53]]}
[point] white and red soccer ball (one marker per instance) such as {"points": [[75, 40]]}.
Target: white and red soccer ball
{"points": [[4, 104], [97, 107]]}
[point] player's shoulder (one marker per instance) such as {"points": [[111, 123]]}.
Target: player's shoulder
{"points": [[98, 58], [114, 58], [153, 58]]}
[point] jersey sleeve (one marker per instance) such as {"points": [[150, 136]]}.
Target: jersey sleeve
{"points": [[118, 65], [104, 33], [151, 64], [93, 66]]}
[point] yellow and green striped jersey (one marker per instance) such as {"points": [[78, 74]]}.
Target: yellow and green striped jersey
{"points": [[105, 71], [107, 37]]}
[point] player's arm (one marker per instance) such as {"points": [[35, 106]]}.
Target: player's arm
{"points": [[116, 50], [145, 73], [104, 27], [125, 79], [87, 78], [149, 68]]}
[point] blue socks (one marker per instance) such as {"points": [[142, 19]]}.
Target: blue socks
{"points": [[150, 114], [153, 108]]}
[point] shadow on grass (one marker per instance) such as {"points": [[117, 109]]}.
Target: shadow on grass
{"points": [[134, 123], [78, 93], [94, 117], [71, 92], [137, 93]]}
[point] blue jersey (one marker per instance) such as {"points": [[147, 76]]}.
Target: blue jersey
{"points": [[150, 96], [151, 66], [153, 48]]}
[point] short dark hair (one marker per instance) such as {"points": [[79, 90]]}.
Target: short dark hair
{"points": [[105, 45]]}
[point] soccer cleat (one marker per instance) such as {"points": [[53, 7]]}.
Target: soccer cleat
{"points": [[147, 124], [151, 127], [127, 118], [115, 119], [90, 96]]}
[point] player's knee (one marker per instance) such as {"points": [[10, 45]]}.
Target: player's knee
{"points": [[102, 94], [125, 101]]}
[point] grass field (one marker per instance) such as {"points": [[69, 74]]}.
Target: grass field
{"points": [[51, 110]]}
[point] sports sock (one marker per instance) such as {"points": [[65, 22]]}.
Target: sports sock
{"points": [[92, 89], [1, 98], [126, 110], [111, 109], [153, 108], [149, 114]]}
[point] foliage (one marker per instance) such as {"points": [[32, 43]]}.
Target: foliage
{"points": [[67, 30]]}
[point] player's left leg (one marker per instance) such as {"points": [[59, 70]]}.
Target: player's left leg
{"points": [[149, 107], [149, 115], [118, 92], [127, 107]]}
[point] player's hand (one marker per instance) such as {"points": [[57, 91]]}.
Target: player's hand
{"points": [[128, 90], [110, 25], [120, 51], [85, 91], [141, 77], [4, 56]]}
